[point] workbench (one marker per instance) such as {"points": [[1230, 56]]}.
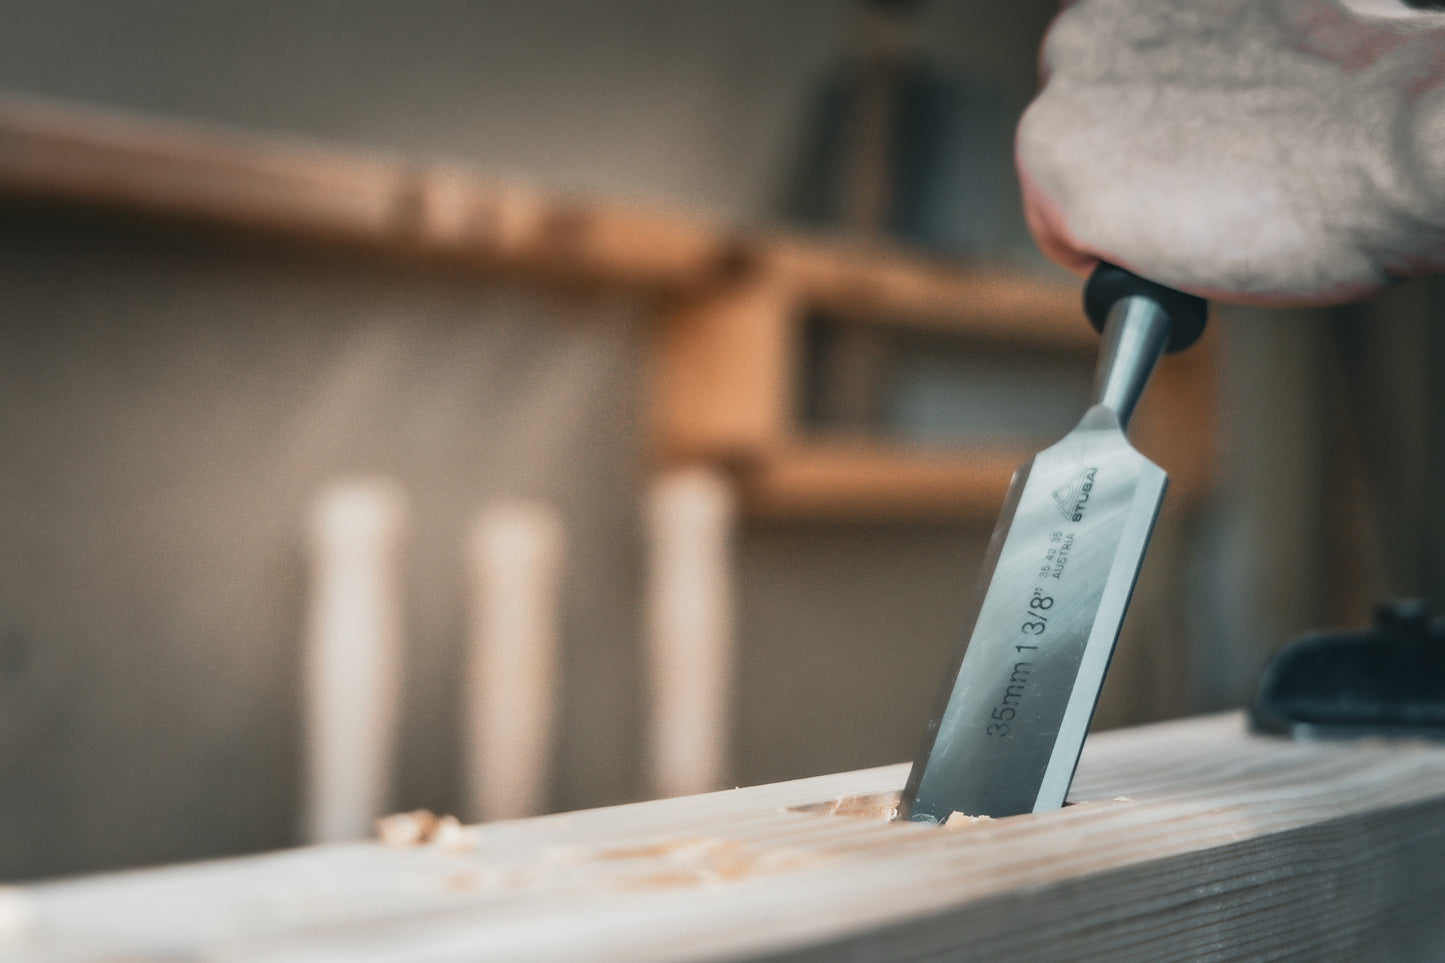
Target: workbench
{"points": [[1183, 840]]}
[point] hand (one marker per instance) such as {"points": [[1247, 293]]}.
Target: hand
{"points": [[1255, 151]]}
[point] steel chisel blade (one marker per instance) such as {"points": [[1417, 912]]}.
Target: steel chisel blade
{"points": [[1057, 579]]}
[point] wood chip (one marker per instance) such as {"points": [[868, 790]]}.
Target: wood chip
{"points": [[407, 829]]}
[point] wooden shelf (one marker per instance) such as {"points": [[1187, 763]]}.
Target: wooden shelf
{"points": [[862, 480], [315, 191], [240, 179], [725, 352], [895, 286], [1186, 839], [727, 365]]}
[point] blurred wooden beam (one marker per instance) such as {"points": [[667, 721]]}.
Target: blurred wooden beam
{"points": [[295, 187], [1182, 840], [722, 372], [868, 480], [890, 285]]}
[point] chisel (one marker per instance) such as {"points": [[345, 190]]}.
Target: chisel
{"points": [[1057, 578]]}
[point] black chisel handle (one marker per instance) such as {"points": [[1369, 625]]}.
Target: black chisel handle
{"points": [[1110, 284]]}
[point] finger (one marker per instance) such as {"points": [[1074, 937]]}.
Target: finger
{"points": [[1051, 231]]}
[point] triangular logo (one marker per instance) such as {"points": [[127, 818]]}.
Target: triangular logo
{"points": [[1067, 495]]}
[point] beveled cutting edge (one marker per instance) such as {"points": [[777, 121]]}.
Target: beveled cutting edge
{"points": [[1057, 578]]}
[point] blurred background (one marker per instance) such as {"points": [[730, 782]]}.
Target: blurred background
{"points": [[513, 407]]}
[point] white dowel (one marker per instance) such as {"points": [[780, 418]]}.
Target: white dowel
{"points": [[691, 516], [352, 658], [511, 698]]}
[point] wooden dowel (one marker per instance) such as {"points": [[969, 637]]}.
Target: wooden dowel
{"points": [[352, 658], [515, 564], [691, 515]]}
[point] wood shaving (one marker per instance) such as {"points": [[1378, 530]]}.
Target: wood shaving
{"points": [[406, 829], [879, 806], [712, 862], [422, 827], [957, 820], [452, 837]]}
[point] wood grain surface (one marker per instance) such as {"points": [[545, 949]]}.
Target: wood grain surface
{"points": [[1183, 841]]}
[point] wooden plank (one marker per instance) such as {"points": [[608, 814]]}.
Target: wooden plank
{"points": [[1185, 840], [722, 366], [292, 186], [893, 285], [872, 480], [104, 158]]}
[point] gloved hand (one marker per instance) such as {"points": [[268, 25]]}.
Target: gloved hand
{"points": [[1255, 151]]}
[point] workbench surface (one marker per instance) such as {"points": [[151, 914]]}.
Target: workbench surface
{"points": [[1184, 840]]}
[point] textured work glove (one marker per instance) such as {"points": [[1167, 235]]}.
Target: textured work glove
{"points": [[1256, 151]]}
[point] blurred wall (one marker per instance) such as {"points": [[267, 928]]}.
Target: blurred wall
{"points": [[1334, 432], [697, 103], [170, 403]]}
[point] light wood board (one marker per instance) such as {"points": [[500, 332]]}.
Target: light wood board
{"points": [[1186, 840]]}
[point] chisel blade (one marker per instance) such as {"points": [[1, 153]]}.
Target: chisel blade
{"points": [[1057, 580]]}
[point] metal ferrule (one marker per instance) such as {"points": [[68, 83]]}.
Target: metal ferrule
{"points": [[1135, 334]]}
